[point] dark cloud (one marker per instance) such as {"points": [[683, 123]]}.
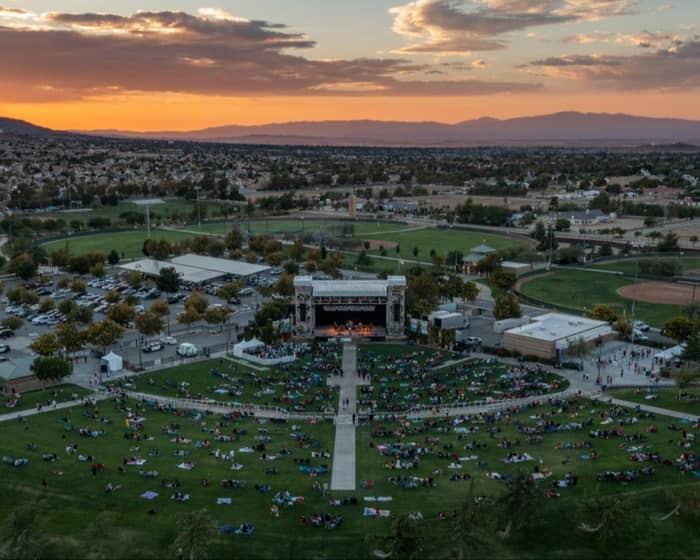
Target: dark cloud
{"points": [[212, 54], [677, 67]]}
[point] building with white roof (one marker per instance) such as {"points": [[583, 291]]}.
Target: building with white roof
{"points": [[549, 336], [225, 267], [152, 267]]}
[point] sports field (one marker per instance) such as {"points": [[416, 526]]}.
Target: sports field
{"points": [[630, 265], [43, 397], [170, 208], [582, 290], [128, 244]]}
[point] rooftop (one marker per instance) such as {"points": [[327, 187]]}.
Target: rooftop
{"points": [[152, 267], [558, 326], [350, 288], [222, 266]]}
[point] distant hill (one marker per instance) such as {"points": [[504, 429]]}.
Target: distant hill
{"points": [[559, 129], [568, 128], [15, 126]]}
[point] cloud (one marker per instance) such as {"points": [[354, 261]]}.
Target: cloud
{"points": [[676, 67], [460, 27], [586, 38], [643, 39], [72, 56]]}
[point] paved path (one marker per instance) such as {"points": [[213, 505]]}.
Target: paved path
{"points": [[647, 408], [59, 406], [343, 476]]}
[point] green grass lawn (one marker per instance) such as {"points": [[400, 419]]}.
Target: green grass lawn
{"points": [[29, 399], [285, 386], [666, 397], [129, 244], [404, 377], [442, 241], [582, 290], [73, 501], [630, 265], [170, 208]]}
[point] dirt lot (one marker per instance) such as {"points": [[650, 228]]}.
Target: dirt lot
{"points": [[659, 292]]}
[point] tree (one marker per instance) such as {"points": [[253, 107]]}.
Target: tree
{"points": [[46, 344], [404, 542], [122, 313], [694, 240], [113, 296], [679, 328], [148, 323], [415, 252], [98, 270], [188, 317], [469, 528], [46, 305], [504, 279], [422, 293], [230, 291], [78, 286], [562, 224], [216, 315], [12, 323], [50, 368], [161, 308], [669, 243], [605, 250], [196, 532], [133, 278], [623, 327], [285, 285], [602, 312], [197, 301], [104, 333], [489, 264], [519, 500], [685, 378], [506, 306], [70, 338], [539, 233], [578, 348], [233, 240], [113, 257], [470, 291], [23, 266]]}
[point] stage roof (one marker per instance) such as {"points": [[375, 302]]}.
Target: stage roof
{"points": [[350, 288]]}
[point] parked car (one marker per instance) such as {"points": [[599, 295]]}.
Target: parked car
{"points": [[247, 292], [4, 348], [152, 347], [187, 350], [641, 326], [170, 340], [6, 333]]}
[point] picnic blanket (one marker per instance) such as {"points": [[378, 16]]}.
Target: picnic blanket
{"points": [[378, 498], [374, 512], [469, 458], [186, 466], [149, 495], [223, 501], [136, 462]]}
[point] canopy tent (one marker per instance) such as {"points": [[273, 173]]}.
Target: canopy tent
{"points": [[244, 345], [111, 363]]}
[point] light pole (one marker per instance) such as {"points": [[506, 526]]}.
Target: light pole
{"points": [[199, 214], [639, 246]]}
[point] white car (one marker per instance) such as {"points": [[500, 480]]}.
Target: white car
{"points": [[170, 340], [641, 326], [639, 335], [187, 350]]}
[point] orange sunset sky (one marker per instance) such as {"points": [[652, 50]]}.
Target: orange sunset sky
{"points": [[183, 66]]}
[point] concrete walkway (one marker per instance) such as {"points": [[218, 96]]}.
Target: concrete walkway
{"points": [[646, 408], [59, 406], [343, 476]]}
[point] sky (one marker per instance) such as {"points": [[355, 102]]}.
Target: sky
{"points": [[184, 65]]}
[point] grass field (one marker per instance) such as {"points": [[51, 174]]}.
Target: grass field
{"points": [[222, 380], [170, 207], [664, 398], [630, 265], [129, 244], [582, 290], [79, 519], [58, 393]]}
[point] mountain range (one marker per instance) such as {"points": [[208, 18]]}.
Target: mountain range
{"points": [[558, 129]]}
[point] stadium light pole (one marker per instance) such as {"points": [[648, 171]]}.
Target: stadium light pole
{"points": [[639, 245]]}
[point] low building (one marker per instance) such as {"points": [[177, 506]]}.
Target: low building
{"points": [[225, 267], [550, 335], [476, 255], [517, 268], [16, 375]]}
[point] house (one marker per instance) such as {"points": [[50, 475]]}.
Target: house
{"points": [[584, 218], [477, 254], [16, 375]]}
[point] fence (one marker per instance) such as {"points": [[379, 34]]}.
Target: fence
{"points": [[211, 405]]}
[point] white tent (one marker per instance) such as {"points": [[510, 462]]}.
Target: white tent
{"points": [[113, 362], [243, 345]]}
